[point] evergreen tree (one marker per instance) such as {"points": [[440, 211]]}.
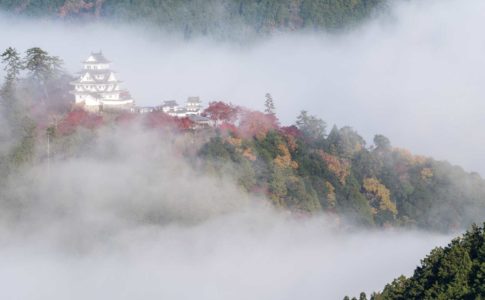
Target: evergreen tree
{"points": [[311, 126], [41, 66], [269, 107], [13, 65]]}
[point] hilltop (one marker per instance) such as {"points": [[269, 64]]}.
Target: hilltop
{"points": [[221, 18], [302, 167], [456, 271]]}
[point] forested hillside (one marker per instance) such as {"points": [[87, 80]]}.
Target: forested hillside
{"points": [[456, 271], [214, 17], [303, 168]]}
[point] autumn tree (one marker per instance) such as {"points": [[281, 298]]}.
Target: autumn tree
{"points": [[255, 123], [78, 118], [380, 199], [221, 112]]}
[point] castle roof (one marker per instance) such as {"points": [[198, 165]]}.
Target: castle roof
{"points": [[170, 103], [97, 58], [97, 80], [193, 100]]}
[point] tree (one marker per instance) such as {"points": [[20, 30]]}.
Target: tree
{"points": [[382, 143], [13, 65], [311, 126], [269, 107], [221, 112], [255, 123], [40, 65], [380, 199]]}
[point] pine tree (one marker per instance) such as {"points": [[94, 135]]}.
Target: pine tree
{"points": [[42, 66], [13, 65], [269, 105]]}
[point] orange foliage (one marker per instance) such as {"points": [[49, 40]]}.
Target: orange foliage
{"points": [[283, 160], [426, 173], [331, 196], [248, 153], [338, 166], [255, 123], [380, 196]]}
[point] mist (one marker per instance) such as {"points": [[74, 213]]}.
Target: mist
{"points": [[414, 74], [129, 218]]}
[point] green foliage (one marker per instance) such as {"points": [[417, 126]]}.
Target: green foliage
{"points": [[312, 127], [223, 18], [453, 272], [298, 168], [40, 65]]}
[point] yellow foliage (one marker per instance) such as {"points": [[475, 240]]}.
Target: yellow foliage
{"points": [[426, 173], [339, 167], [331, 197], [234, 141], [291, 141], [284, 158], [409, 157], [380, 196], [248, 153]]}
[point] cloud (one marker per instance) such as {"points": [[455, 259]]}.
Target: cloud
{"points": [[414, 75], [128, 218]]}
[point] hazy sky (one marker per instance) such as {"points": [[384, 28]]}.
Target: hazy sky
{"points": [[415, 76]]}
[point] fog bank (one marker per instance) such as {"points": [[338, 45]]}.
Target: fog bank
{"points": [[127, 218], [414, 75]]}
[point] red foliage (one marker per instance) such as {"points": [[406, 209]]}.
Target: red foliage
{"points": [[126, 118], [221, 112], [255, 123], [229, 129], [291, 131], [79, 118], [184, 123], [161, 120]]}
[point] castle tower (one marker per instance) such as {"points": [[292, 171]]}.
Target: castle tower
{"points": [[97, 89]]}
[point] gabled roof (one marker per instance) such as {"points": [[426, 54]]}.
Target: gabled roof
{"points": [[170, 103], [199, 119], [193, 100], [98, 58]]}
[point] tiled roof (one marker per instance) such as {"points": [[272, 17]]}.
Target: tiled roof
{"points": [[193, 100], [170, 103], [99, 58]]}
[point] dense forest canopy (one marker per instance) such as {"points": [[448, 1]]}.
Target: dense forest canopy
{"points": [[306, 168], [214, 17], [456, 271]]}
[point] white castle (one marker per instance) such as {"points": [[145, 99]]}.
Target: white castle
{"points": [[98, 89]]}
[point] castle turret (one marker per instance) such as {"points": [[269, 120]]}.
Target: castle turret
{"points": [[98, 89]]}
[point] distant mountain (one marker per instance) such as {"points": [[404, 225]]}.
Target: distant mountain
{"points": [[209, 17], [456, 272]]}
